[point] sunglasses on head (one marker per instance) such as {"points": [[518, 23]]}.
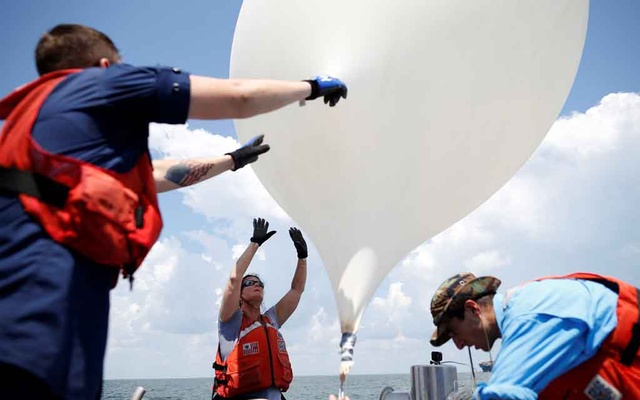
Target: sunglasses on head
{"points": [[251, 282]]}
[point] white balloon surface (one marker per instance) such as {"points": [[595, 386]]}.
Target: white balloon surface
{"points": [[447, 99]]}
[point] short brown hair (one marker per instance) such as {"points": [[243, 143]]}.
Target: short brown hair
{"points": [[73, 46]]}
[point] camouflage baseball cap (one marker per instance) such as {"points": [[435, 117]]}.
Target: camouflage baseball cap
{"points": [[452, 294]]}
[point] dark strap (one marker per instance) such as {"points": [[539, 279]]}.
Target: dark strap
{"points": [[215, 365], [35, 185], [218, 367], [611, 285], [631, 351]]}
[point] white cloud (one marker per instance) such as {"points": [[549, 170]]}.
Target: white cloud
{"points": [[237, 250], [631, 249], [395, 308], [486, 261], [321, 328], [521, 204], [232, 196], [596, 132]]}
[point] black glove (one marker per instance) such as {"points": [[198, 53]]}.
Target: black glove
{"points": [[249, 152], [298, 241], [332, 89], [260, 234]]}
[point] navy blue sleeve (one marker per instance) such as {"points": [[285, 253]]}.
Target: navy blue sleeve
{"points": [[102, 115], [157, 94]]}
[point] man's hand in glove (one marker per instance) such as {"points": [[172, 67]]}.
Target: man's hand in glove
{"points": [[249, 152]]}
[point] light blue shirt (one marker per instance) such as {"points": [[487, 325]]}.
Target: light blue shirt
{"points": [[548, 327]]}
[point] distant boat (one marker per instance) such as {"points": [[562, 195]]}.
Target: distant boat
{"points": [[486, 366]]}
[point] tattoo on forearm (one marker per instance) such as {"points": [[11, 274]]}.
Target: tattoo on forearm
{"points": [[187, 173]]}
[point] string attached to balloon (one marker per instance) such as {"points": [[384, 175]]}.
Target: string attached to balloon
{"points": [[341, 394]]}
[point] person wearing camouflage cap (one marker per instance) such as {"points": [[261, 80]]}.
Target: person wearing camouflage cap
{"points": [[570, 337], [450, 299]]}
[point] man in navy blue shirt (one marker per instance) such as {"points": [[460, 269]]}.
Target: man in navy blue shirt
{"points": [[54, 302]]}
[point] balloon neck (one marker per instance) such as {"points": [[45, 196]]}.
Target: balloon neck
{"points": [[348, 339], [347, 343]]}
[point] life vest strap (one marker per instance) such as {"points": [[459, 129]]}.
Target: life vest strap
{"points": [[631, 351], [35, 185], [611, 285], [219, 367]]}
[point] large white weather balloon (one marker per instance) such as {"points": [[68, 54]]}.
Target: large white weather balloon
{"points": [[447, 99]]}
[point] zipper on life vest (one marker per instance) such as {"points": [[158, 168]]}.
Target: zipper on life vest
{"points": [[266, 331]]}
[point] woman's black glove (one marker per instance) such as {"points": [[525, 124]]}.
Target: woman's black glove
{"points": [[298, 241], [260, 234]]}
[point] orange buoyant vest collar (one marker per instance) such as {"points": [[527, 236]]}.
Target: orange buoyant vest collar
{"points": [[111, 218]]}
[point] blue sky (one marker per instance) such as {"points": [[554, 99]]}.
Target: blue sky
{"points": [[573, 206]]}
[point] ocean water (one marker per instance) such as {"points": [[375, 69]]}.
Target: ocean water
{"points": [[358, 387]]}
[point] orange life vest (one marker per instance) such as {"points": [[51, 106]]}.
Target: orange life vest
{"points": [[111, 218], [258, 361], [614, 372]]}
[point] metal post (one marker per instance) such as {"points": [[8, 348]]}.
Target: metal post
{"points": [[139, 393], [432, 382]]}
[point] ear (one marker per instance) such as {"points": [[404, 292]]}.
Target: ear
{"points": [[104, 62], [472, 306]]}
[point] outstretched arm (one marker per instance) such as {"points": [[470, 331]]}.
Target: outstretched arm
{"points": [[176, 174], [213, 98], [289, 302], [231, 295]]}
